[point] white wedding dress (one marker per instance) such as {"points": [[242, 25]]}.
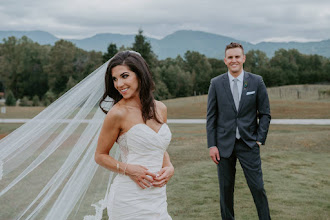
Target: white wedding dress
{"points": [[127, 201]]}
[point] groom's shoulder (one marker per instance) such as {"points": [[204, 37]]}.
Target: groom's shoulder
{"points": [[253, 76], [218, 78]]}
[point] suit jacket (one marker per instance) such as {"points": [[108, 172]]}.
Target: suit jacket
{"points": [[223, 118]]}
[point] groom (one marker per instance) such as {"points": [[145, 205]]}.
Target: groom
{"points": [[236, 100]]}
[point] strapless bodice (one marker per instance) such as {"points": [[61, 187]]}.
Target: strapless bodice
{"points": [[144, 146]]}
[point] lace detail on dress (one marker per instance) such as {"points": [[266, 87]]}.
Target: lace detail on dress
{"points": [[99, 208], [122, 142]]}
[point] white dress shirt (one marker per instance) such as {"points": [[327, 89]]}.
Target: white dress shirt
{"points": [[239, 83]]}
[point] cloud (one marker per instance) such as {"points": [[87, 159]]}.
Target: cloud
{"points": [[253, 21]]}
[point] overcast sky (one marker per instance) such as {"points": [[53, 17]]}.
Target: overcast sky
{"points": [[249, 20]]}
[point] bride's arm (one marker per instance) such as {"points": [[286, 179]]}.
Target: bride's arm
{"points": [[167, 171], [108, 135], [167, 161]]}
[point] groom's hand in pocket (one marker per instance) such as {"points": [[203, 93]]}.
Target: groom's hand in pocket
{"points": [[214, 154]]}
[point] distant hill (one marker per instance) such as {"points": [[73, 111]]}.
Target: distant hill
{"points": [[179, 42], [100, 42], [41, 37], [212, 45]]}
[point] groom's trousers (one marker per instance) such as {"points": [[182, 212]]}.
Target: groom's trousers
{"points": [[250, 161]]}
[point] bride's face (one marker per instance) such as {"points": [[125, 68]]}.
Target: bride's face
{"points": [[125, 81]]}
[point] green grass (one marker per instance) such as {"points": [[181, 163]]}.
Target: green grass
{"points": [[309, 105], [295, 164], [287, 105], [21, 112]]}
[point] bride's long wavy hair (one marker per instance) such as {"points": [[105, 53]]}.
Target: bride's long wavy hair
{"points": [[135, 62]]}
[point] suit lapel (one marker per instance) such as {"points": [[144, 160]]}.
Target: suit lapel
{"points": [[244, 89], [226, 85]]}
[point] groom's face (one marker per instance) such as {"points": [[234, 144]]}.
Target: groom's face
{"points": [[234, 59]]}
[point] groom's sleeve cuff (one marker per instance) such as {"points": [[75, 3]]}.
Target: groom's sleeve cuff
{"points": [[212, 146]]}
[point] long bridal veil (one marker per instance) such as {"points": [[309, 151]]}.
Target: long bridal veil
{"points": [[47, 167]]}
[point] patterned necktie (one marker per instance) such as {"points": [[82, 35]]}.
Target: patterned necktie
{"points": [[236, 100]]}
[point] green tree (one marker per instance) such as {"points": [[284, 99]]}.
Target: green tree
{"points": [[2, 87], [9, 61], [312, 69], [177, 80], [21, 66], [218, 67], [32, 79], [200, 68], [71, 83], [10, 99], [111, 51], [85, 63], [256, 61], [284, 67], [326, 71], [142, 46], [161, 91], [61, 67]]}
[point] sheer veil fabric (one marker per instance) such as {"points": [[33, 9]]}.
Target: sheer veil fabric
{"points": [[47, 167]]}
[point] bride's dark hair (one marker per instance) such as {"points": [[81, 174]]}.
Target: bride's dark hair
{"points": [[135, 62]]}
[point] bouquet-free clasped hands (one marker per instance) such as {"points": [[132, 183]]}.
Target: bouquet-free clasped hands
{"points": [[144, 178]]}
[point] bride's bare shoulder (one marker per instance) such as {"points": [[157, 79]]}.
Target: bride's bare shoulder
{"points": [[160, 105], [116, 113], [162, 109]]}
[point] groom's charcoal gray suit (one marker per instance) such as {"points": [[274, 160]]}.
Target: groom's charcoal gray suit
{"points": [[222, 120]]}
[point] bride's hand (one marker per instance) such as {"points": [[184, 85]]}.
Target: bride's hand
{"points": [[163, 176], [140, 175]]}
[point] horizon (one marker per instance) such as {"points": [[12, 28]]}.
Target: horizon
{"points": [[289, 39]]}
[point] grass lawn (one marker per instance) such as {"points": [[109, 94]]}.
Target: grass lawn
{"points": [[284, 104], [195, 107], [295, 162], [21, 112]]}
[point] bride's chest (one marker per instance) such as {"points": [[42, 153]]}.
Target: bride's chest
{"points": [[143, 139]]}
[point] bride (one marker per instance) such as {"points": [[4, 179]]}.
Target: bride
{"points": [[137, 123], [47, 166]]}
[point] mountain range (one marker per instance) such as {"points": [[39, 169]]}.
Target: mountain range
{"points": [[177, 43]]}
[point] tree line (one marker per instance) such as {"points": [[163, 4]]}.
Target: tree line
{"points": [[38, 74]]}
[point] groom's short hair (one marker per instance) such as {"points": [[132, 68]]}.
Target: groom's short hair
{"points": [[234, 45]]}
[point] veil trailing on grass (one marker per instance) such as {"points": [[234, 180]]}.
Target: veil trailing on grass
{"points": [[47, 167]]}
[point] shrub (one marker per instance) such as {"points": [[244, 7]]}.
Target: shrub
{"points": [[35, 101], [25, 101], [48, 98], [10, 99]]}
